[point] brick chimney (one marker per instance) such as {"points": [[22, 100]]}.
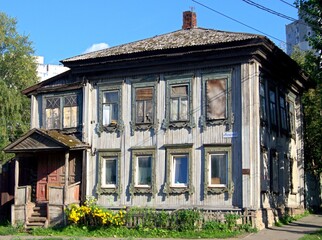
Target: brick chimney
{"points": [[189, 20]]}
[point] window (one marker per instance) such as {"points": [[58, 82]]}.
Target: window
{"points": [[109, 171], [272, 107], [110, 109], [143, 171], [61, 112], [216, 98], [144, 105], [283, 114], [178, 102], [291, 112], [262, 94], [274, 171], [217, 169], [179, 169]]}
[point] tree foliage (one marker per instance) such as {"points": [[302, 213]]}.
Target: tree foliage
{"points": [[311, 12], [17, 72]]}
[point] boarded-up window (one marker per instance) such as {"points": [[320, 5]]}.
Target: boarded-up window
{"points": [[70, 112], [144, 105], [179, 103], [110, 107], [53, 113], [216, 101]]}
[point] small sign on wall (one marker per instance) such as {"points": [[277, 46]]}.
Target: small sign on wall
{"points": [[230, 134]]}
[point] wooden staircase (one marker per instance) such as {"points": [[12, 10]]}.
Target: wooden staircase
{"points": [[38, 216]]}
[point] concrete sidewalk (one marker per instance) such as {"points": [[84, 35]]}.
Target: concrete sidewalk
{"points": [[293, 231]]}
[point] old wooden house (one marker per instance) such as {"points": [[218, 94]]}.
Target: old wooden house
{"points": [[193, 118]]}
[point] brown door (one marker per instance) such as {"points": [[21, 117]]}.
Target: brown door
{"points": [[50, 170]]}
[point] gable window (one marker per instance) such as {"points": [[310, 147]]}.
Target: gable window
{"points": [[272, 108], [143, 106], [262, 94], [110, 109], [109, 171], [61, 112], [217, 169], [143, 171], [179, 169], [283, 114], [216, 98], [178, 102]]}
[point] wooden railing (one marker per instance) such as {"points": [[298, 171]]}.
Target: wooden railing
{"points": [[73, 193], [23, 195]]}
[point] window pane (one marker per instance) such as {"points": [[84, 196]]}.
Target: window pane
{"points": [[144, 93], [174, 107], [272, 107], [262, 102], [180, 165], [283, 113], [139, 111], [148, 111], [218, 168], [70, 117], [183, 109], [52, 118], [144, 170], [179, 91], [106, 114], [110, 97], [70, 101], [110, 171], [216, 99]]}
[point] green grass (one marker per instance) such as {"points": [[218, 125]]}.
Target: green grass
{"points": [[313, 236], [116, 232]]}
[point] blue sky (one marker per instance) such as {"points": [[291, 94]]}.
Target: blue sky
{"points": [[64, 28]]}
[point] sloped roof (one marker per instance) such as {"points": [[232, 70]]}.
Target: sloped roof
{"points": [[178, 39], [44, 140]]}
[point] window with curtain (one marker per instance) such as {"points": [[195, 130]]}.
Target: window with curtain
{"points": [[179, 103], [180, 170], [144, 170], [70, 112], [110, 107], [109, 173], [218, 169]]}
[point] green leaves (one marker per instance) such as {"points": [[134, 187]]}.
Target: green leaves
{"points": [[17, 72]]}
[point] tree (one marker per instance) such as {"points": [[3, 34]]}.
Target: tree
{"points": [[311, 12], [17, 72]]}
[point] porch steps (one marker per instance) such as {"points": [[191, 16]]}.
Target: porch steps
{"points": [[38, 217]]}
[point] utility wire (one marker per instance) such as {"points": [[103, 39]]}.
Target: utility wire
{"points": [[235, 20], [288, 4], [269, 10]]}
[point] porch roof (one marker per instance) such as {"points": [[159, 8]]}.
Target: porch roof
{"points": [[45, 140]]}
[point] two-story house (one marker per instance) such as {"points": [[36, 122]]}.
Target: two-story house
{"points": [[192, 118]]}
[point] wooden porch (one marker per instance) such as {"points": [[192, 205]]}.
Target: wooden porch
{"points": [[49, 169]]}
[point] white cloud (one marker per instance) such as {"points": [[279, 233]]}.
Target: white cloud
{"points": [[96, 47]]}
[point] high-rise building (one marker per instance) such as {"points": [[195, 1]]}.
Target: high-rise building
{"points": [[45, 71]]}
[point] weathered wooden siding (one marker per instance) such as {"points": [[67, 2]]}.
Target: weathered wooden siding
{"points": [[196, 136]]}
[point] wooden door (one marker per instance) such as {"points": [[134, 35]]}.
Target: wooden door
{"points": [[49, 172]]}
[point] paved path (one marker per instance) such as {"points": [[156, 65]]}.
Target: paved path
{"points": [[293, 231]]}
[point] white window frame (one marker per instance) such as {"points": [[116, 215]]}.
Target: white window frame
{"points": [[103, 175], [225, 154], [173, 172], [137, 171]]}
